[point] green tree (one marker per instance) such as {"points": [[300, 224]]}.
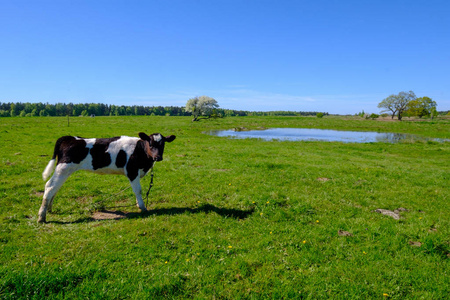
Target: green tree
{"points": [[50, 110], [14, 110], [388, 105], [397, 104], [113, 111], [60, 109], [434, 112], [94, 109], [373, 116], [77, 109], [421, 107]]}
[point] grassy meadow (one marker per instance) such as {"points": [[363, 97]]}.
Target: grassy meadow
{"points": [[229, 218]]}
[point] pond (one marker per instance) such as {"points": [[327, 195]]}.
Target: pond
{"points": [[306, 134]]}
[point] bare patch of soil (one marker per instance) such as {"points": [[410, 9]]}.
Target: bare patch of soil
{"points": [[388, 213], [109, 215], [344, 233], [415, 244], [400, 209], [323, 179], [394, 214], [38, 194]]}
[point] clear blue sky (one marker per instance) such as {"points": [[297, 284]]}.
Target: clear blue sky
{"points": [[335, 56]]}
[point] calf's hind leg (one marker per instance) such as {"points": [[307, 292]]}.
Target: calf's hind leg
{"points": [[62, 172]]}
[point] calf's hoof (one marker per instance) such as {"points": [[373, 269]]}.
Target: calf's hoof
{"points": [[141, 207], [41, 220]]}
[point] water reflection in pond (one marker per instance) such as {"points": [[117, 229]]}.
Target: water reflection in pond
{"points": [[305, 134]]}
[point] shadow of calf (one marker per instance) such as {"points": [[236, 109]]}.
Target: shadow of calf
{"points": [[206, 208]]}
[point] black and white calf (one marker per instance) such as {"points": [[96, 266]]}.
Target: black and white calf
{"points": [[130, 156]]}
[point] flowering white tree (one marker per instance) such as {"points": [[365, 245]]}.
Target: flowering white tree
{"points": [[201, 106]]}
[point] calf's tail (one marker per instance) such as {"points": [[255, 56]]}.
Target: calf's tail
{"points": [[49, 169], [51, 164]]}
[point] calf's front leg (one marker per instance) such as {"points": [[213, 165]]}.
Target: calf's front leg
{"points": [[136, 186]]}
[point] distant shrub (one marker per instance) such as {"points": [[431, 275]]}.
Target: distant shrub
{"points": [[373, 116], [319, 115]]}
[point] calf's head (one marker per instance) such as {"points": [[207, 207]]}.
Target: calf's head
{"points": [[155, 145]]}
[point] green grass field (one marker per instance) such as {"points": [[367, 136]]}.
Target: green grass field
{"points": [[230, 219]]}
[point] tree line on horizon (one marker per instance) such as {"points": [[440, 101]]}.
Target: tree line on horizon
{"points": [[28, 109]]}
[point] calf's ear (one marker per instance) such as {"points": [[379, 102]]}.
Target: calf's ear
{"points": [[169, 138], [144, 136]]}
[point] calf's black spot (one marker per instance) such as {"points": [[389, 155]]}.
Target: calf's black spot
{"points": [[70, 150], [121, 159], [101, 158]]}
